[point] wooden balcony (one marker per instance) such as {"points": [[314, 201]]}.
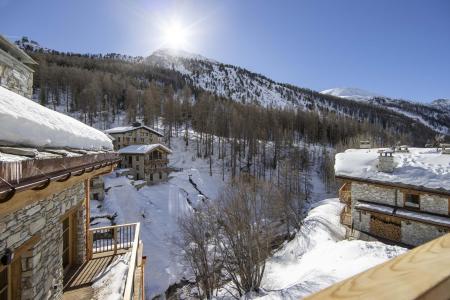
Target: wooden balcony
{"points": [[345, 194], [346, 216], [106, 245], [163, 161], [421, 273]]}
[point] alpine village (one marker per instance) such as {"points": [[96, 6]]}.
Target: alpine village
{"points": [[175, 176]]}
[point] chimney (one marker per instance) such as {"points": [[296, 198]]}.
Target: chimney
{"points": [[386, 162]]}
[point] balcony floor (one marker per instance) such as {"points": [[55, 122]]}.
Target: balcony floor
{"points": [[78, 282]]}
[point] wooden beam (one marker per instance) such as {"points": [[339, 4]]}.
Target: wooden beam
{"points": [[22, 199], [87, 202], [421, 273], [19, 251]]}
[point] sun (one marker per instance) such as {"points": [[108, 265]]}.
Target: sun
{"points": [[175, 35]]}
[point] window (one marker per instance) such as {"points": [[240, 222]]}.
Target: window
{"points": [[151, 177], [160, 175], [118, 139], [137, 158], [412, 200]]}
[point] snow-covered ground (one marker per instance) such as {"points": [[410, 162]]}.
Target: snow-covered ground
{"points": [[320, 256], [158, 208], [316, 258]]}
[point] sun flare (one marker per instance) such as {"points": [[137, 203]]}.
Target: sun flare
{"points": [[175, 35]]}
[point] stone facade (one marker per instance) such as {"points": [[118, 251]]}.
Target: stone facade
{"points": [[146, 167], [97, 190], [42, 270], [411, 232], [15, 76], [416, 233], [139, 136], [372, 193]]}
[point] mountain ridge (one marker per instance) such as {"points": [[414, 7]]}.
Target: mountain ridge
{"points": [[245, 86]]}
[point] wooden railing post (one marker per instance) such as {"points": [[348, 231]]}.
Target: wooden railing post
{"points": [[90, 244], [115, 239]]}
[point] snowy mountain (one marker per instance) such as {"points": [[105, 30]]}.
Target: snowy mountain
{"points": [[442, 104], [351, 93], [227, 80], [429, 115], [245, 86]]}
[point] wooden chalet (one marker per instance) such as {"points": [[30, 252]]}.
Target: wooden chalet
{"points": [[135, 134], [402, 197], [146, 162], [47, 248]]}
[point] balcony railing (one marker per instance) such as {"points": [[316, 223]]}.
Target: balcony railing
{"points": [[346, 216], [345, 194], [111, 240]]}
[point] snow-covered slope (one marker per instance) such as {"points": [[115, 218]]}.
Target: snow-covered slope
{"points": [[442, 104], [226, 80], [319, 256], [351, 93], [435, 115], [244, 86]]}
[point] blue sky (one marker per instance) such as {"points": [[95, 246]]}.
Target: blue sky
{"points": [[396, 48]]}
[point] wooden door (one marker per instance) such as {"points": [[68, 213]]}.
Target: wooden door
{"points": [[10, 280], [69, 241]]}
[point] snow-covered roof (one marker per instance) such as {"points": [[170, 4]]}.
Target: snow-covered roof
{"points": [[142, 149], [420, 167], [26, 123], [124, 129]]}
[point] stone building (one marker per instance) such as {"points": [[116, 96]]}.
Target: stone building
{"points": [[401, 197], [16, 73], [146, 162], [136, 134], [97, 189], [46, 244]]}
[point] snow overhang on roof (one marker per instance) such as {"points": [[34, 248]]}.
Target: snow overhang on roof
{"points": [[26, 123], [143, 149], [124, 129], [15, 51], [420, 169], [27, 168]]}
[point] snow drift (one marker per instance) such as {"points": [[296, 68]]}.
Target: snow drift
{"points": [[26, 123]]}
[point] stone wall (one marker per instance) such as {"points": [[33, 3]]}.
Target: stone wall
{"points": [[416, 233], [412, 232], [42, 272], [361, 220], [139, 136], [431, 203], [372, 193], [15, 76]]}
